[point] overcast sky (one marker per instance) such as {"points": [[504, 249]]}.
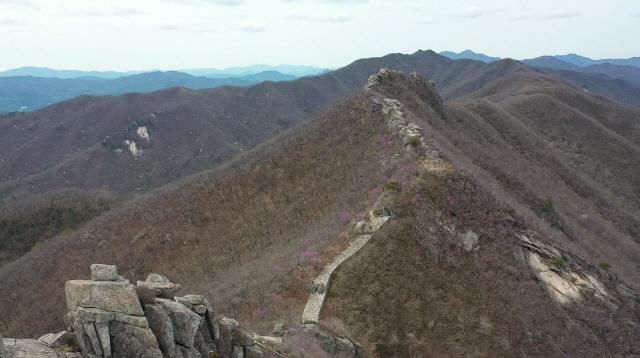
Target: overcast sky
{"points": [[173, 34]]}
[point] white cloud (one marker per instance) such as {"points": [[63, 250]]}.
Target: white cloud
{"points": [[323, 17], [106, 12], [224, 2], [560, 15], [23, 3], [8, 22], [473, 12], [253, 27]]}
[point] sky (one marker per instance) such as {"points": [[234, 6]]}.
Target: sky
{"points": [[178, 34]]}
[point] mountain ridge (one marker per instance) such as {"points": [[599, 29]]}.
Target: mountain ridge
{"points": [[32, 93], [261, 225]]}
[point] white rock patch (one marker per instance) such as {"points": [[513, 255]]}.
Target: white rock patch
{"points": [[559, 288], [566, 284], [143, 133], [133, 148]]}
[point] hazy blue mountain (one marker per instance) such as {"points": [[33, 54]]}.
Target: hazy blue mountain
{"points": [[550, 62], [52, 73], [582, 61], [627, 73], [274, 76], [288, 71], [469, 55], [294, 70], [577, 60], [27, 93]]}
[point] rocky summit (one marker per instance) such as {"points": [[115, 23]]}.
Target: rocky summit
{"points": [[109, 317]]}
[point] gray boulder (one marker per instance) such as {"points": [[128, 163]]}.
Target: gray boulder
{"points": [[94, 315], [469, 241], [160, 285], [133, 320], [185, 322], [162, 328], [3, 352], [92, 333], [26, 348], [60, 339], [184, 352], [253, 352], [116, 296], [200, 309], [224, 343], [131, 341], [104, 272], [238, 352], [105, 340], [194, 299]]}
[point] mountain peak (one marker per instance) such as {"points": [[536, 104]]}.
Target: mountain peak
{"points": [[394, 83]]}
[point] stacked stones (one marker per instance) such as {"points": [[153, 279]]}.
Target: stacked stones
{"points": [[109, 317], [184, 326], [106, 316], [113, 318]]}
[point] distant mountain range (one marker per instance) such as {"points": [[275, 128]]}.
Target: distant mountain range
{"points": [[63, 74], [617, 79], [293, 70], [27, 93], [469, 55], [557, 62], [574, 62], [286, 70]]}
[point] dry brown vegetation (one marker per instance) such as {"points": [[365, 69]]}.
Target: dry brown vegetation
{"points": [[412, 294], [249, 235], [26, 223]]}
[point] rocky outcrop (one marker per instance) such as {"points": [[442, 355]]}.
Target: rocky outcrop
{"points": [[566, 279], [27, 348], [3, 352], [108, 317], [390, 81]]}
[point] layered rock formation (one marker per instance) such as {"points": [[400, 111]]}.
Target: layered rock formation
{"points": [[109, 317]]}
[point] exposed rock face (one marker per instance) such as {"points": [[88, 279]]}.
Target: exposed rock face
{"points": [[396, 81], [104, 272], [160, 285], [57, 340], [106, 319], [26, 348], [113, 296], [185, 322], [162, 327], [469, 241], [132, 341], [566, 281], [3, 352]]}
